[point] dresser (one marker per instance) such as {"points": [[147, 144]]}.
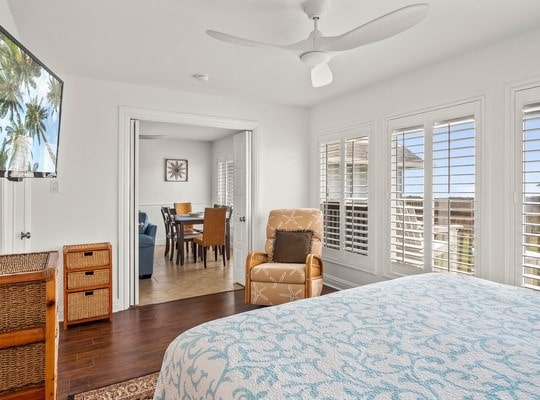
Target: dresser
{"points": [[87, 283], [28, 326]]}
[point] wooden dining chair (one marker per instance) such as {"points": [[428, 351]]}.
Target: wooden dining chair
{"points": [[227, 239], [214, 232], [184, 208], [169, 239]]}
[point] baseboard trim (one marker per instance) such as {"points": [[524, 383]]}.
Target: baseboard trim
{"points": [[337, 283]]}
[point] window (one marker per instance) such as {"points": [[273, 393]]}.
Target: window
{"points": [[453, 195], [344, 195], [226, 183], [356, 195], [330, 196], [530, 199], [407, 197], [433, 190]]}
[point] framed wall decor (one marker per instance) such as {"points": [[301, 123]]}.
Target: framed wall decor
{"points": [[176, 170]]}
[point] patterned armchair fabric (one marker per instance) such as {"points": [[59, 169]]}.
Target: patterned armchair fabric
{"points": [[270, 283]]}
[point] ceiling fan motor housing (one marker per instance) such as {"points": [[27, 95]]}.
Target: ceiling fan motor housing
{"points": [[315, 8], [313, 58]]}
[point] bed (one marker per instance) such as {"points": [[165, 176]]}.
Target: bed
{"points": [[430, 336]]}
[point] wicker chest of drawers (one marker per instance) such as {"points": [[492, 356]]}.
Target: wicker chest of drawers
{"points": [[28, 326], [87, 283]]}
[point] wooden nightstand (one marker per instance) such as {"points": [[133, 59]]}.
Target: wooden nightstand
{"points": [[87, 283]]}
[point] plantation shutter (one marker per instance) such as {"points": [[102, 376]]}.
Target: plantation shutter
{"points": [[356, 195], [221, 184], [229, 184], [330, 157], [407, 197], [453, 194], [530, 222]]}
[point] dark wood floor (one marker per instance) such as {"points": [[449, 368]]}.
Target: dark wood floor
{"points": [[101, 353]]}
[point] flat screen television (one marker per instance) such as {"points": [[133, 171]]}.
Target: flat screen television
{"points": [[30, 110]]}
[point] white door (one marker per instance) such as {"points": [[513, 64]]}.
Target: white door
{"points": [[15, 217], [242, 202]]}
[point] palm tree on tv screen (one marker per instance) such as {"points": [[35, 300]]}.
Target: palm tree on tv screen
{"points": [[20, 143], [10, 95], [22, 107], [22, 65], [54, 95], [35, 123]]}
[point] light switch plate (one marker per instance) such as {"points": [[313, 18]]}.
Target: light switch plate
{"points": [[55, 186]]}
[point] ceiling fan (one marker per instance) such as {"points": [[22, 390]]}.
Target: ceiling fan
{"points": [[317, 49]]}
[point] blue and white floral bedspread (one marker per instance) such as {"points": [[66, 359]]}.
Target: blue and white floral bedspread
{"points": [[432, 336]]}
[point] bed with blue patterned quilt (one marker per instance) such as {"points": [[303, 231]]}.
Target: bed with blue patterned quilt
{"points": [[430, 336]]}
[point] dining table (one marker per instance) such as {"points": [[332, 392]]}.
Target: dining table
{"points": [[181, 220]]}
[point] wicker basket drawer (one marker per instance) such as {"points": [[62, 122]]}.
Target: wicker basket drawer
{"points": [[85, 259], [84, 279], [21, 306], [21, 367], [88, 304]]}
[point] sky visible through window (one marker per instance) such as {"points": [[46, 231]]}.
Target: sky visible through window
{"points": [[531, 153], [453, 161]]}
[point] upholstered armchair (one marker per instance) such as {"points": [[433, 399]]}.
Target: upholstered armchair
{"points": [[291, 267], [147, 241]]}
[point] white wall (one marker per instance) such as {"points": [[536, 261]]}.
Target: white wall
{"points": [[155, 192], [6, 19], [85, 210], [487, 72]]}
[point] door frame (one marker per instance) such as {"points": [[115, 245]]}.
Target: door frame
{"points": [[124, 276]]}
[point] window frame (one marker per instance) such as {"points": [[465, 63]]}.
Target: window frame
{"points": [[342, 257], [521, 97], [427, 119]]}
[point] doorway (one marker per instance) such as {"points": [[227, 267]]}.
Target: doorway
{"points": [[127, 279], [207, 178]]}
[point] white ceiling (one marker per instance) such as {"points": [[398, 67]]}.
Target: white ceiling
{"points": [[163, 42], [166, 130]]}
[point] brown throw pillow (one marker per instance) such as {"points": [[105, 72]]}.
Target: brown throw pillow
{"points": [[292, 246]]}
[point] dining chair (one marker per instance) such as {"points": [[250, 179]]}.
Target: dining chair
{"points": [[168, 235], [227, 238], [214, 232], [184, 208], [188, 236]]}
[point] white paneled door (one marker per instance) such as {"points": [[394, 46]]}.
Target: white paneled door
{"points": [[242, 201], [15, 199]]}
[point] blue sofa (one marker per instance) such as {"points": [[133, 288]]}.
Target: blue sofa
{"points": [[147, 242]]}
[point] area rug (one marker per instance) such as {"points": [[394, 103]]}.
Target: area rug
{"points": [[141, 388]]}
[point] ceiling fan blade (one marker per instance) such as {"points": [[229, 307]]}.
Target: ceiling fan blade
{"points": [[238, 40], [378, 29], [321, 75]]}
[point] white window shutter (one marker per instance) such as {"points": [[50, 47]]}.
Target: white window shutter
{"points": [[530, 222], [330, 195], [453, 194], [356, 195], [407, 197]]}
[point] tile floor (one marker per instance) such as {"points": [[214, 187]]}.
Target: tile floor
{"points": [[171, 282]]}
